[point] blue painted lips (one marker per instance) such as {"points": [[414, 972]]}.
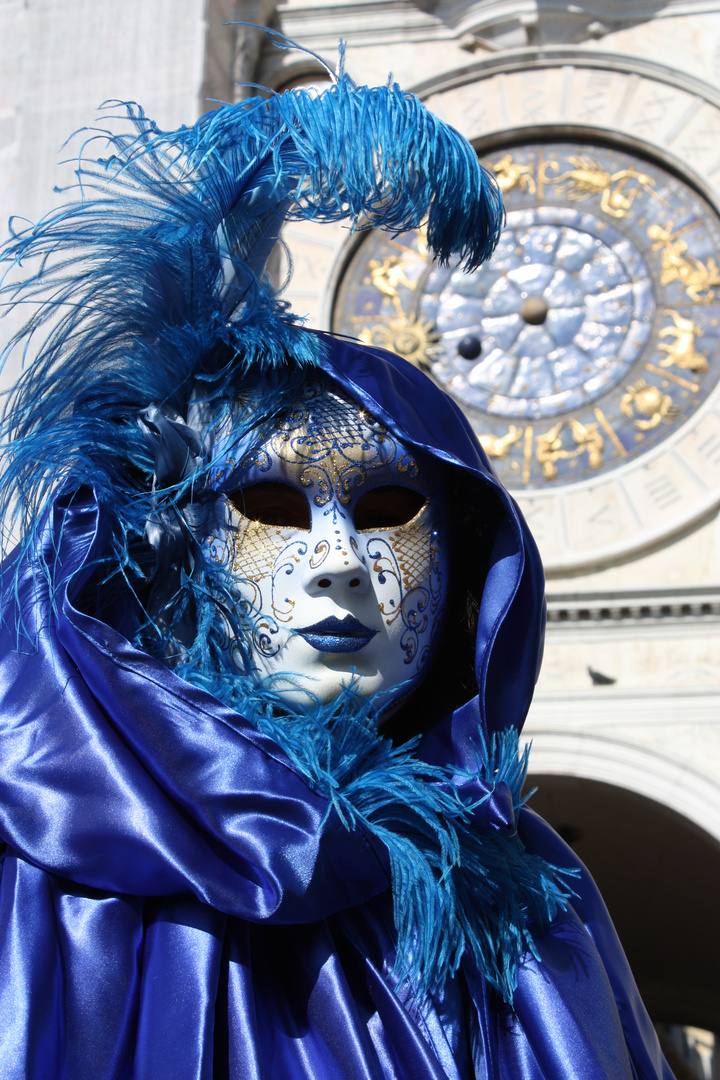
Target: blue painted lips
{"points": [[338, 635]]}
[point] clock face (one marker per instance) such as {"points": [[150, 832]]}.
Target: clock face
{"points": [[591, 336]]}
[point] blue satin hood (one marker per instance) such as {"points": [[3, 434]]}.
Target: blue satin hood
{"points": [[177, 901], [511, 623]]}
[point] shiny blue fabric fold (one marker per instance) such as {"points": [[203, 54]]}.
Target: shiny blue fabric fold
{"points": [[179, 900], [119, 776]]}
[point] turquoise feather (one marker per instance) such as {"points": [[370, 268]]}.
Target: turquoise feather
{"points": [[460, 888]]}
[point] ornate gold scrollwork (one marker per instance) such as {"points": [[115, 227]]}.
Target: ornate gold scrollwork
{"points": [[682, 352], [647, 406], [550, 449]]}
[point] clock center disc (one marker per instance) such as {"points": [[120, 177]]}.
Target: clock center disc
{"points": [[534, 310], [564, 309]]}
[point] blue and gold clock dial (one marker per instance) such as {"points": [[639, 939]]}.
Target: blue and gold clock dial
{"points": [[591, 335]]}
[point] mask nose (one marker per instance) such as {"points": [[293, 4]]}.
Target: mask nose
{"points": [[336, 563]]}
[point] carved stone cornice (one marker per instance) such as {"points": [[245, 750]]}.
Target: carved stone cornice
{"points": [[642, 606]]}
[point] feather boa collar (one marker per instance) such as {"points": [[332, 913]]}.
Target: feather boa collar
{"points": [[462, 881]]}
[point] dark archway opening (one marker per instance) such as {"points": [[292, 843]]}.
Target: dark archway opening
{"points": [[659, 875]]}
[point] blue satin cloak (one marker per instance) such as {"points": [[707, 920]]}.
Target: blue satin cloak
{"points": [[176, 901]]}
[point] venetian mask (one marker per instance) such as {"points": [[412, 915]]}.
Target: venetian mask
{"points": [[330, 532]]}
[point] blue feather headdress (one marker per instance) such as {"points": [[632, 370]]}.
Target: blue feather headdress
{"points": [[150, 283]]}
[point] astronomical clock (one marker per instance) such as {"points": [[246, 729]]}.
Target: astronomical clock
{"points": [[586, 353]]}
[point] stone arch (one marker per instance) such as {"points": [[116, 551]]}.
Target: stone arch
{"points": [[659, 874], [668, 781]]}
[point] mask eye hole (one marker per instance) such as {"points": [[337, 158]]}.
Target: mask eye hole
{"points": [[272, 504], [387, 507]]}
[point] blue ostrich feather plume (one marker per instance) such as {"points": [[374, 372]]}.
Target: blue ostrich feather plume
{"points": [[150, 282]]}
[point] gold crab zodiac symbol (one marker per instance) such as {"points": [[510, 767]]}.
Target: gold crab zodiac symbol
{"points": [[650, 403], [588, 178], [682, 352]]}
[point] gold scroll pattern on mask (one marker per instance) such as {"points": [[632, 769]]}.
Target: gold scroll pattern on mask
{"points": [[335, 442], [259, 553], [255, 549]]}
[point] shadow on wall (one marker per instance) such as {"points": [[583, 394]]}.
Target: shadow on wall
{"points": [[547, 22], [231, 51]]}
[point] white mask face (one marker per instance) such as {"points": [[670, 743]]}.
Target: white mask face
{"points": [[332, 533]]}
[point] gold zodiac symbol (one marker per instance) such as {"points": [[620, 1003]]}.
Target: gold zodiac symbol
{"points": [[509, 175], [682, 352], [587, 440], [695, 276], [408, 336], [497, 446], [588, 178], [649, 402], [387, 276]]}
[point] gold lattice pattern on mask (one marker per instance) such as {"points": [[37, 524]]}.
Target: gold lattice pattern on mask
{"points": [[412, 550], [255, 548]]}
